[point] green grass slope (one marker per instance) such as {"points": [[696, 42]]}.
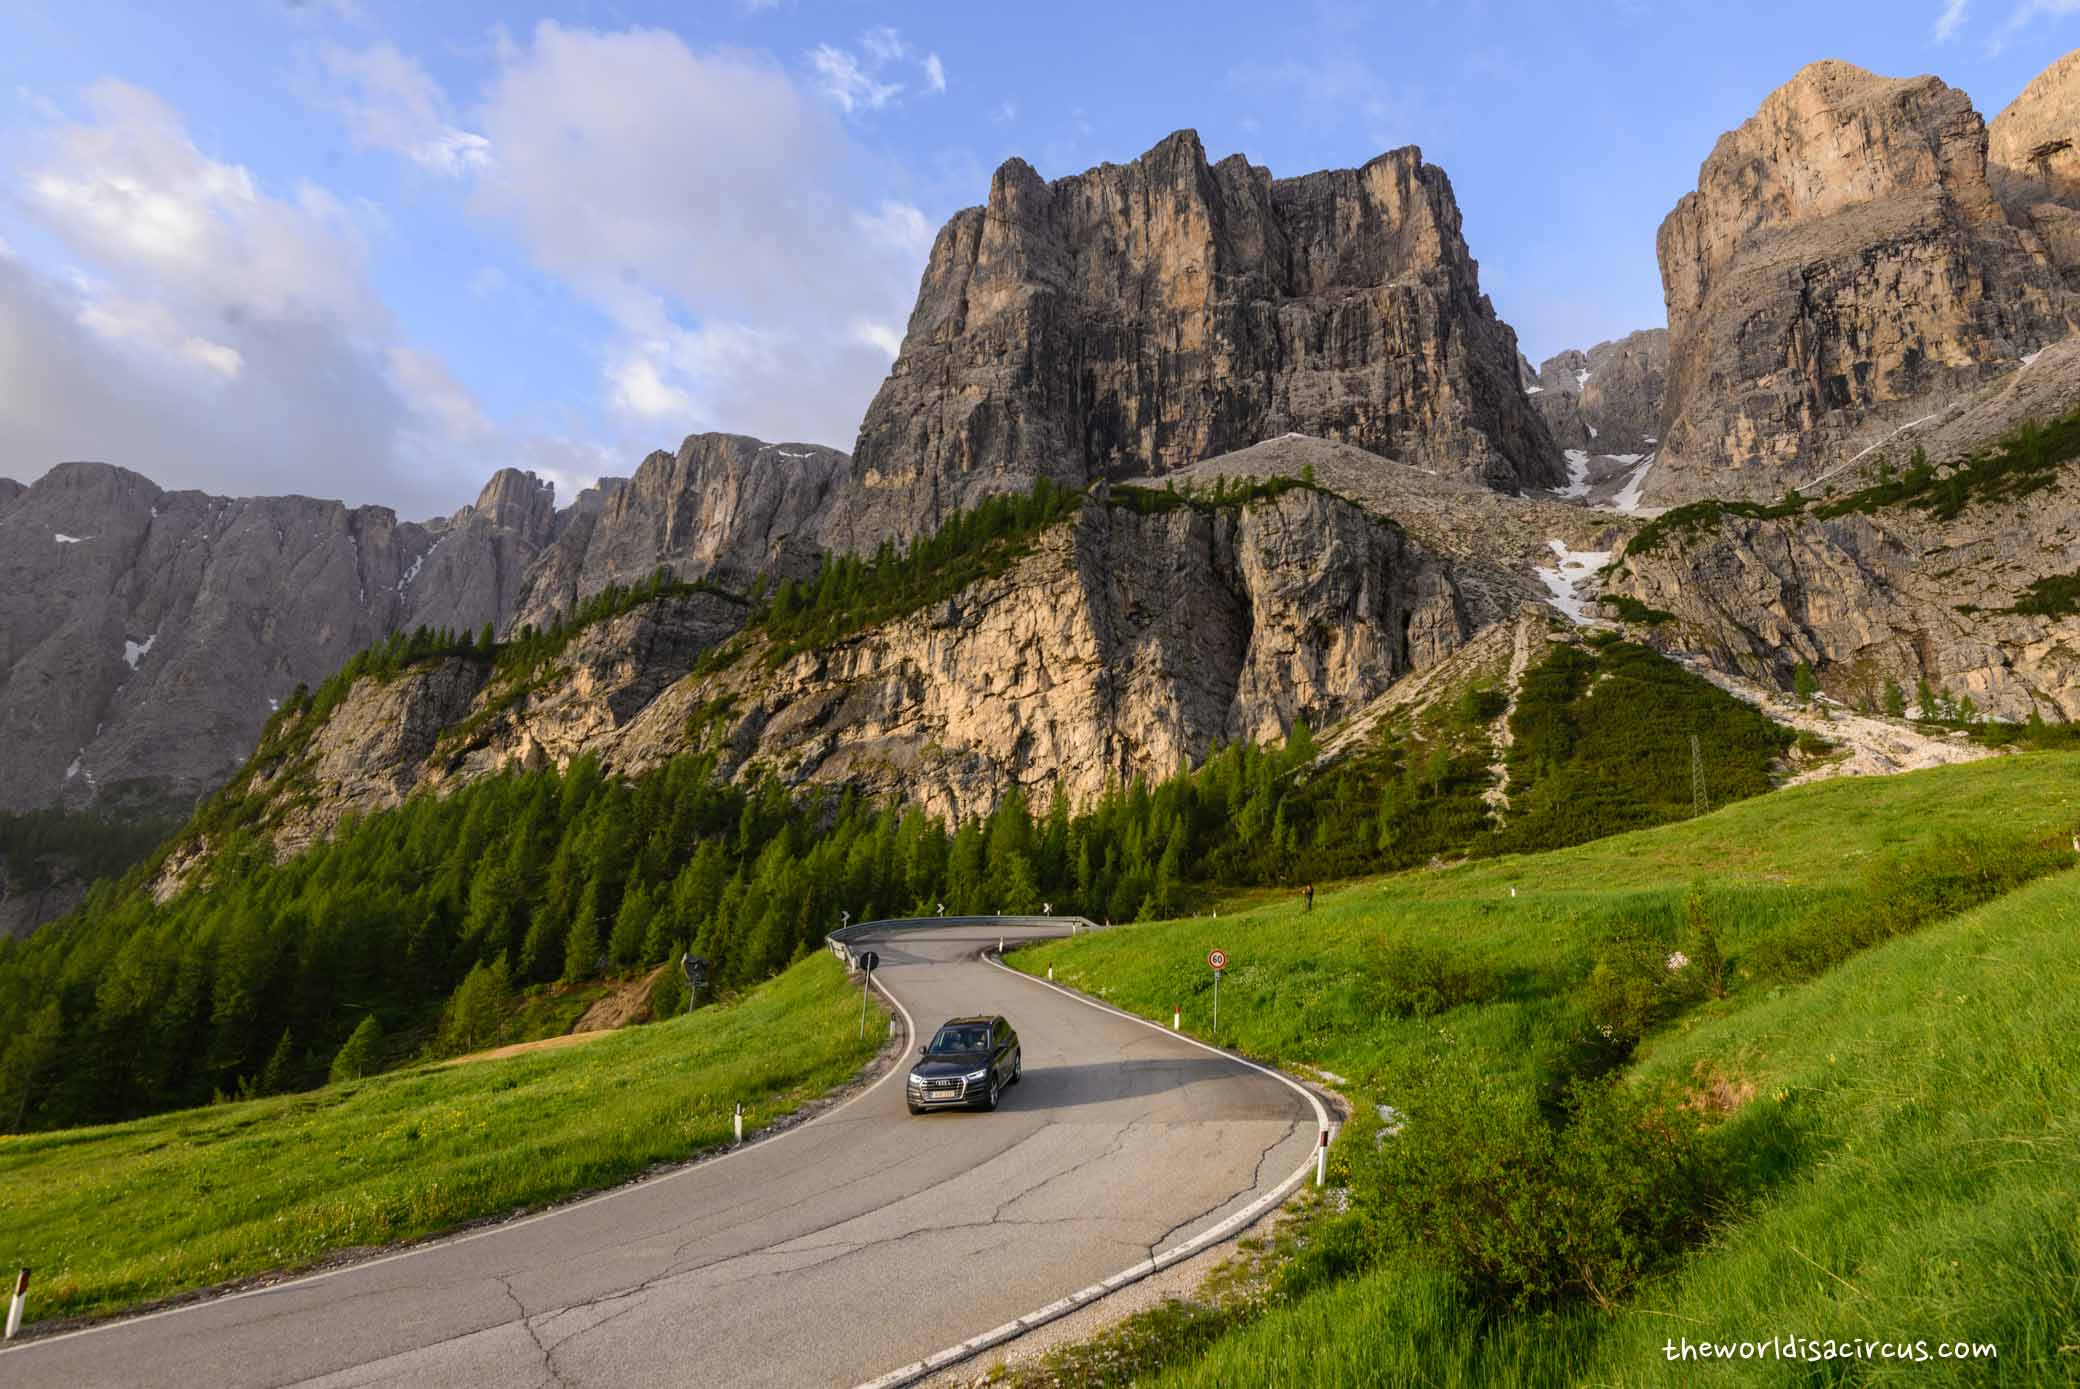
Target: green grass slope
{"points": [[1861, 1127], [124, 1213]]}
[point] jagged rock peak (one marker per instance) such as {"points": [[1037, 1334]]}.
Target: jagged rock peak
{"points": [[2033, 150], [1135, 318], [518, 501], [1842, 267], [725, 506], [1607, 400]]}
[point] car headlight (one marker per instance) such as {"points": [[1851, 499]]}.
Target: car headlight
{"points": [[916, 1079], [973, 1077]]}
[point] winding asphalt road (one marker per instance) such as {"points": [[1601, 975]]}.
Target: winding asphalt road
{"points": [[828, 1256]]}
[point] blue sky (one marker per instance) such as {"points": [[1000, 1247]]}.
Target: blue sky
{"points": [[374, 251]]}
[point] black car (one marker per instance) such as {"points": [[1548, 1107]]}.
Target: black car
{"points": [[968, 1062]]}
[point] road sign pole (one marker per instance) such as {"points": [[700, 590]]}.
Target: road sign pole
{"points": [[864, 976], [1216, 1007]]}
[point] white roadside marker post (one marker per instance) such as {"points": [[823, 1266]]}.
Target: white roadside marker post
{"points": [[740, 1121], [1050, 974], [1321, 1160], [14, 1307], [1176, 1017]]}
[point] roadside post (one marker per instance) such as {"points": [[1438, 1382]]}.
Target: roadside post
{"points": [[1321, 1160], [740, 1121], [867, 962], [14, 1307], [696, 967], [1219, 960]]}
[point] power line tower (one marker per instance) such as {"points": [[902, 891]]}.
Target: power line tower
{"points": [[1701, 802]]}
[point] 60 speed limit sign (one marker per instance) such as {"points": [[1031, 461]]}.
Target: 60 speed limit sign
{"points": [[1217, 958]]}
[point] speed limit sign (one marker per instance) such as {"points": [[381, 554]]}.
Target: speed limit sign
{"points": [[1218, 959]]}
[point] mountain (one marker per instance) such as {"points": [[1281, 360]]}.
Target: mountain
{"points": [[145, 635], [724, 507], [1606, 400], [1136, 318], [2034, 165], [1842, 270]]}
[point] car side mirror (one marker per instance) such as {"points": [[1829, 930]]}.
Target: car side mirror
{"points": [[924, 1051]]}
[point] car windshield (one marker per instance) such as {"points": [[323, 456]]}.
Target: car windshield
{"points": [[960, 1039]]}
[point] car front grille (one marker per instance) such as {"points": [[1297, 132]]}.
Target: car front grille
{"points": [[940, 1091]]}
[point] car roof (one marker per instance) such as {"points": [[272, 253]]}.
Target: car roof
{"points": [[977, 1018]]}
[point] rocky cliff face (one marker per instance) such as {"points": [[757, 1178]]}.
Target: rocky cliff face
{"points": [[146, 635], [725, 507], [1136, 318], [1842, 265], [1892, 591], [2034, 163], [1123, 642], [1609, 399]]}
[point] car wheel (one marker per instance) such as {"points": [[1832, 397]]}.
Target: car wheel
{"points": [[989, 1098], [1018, 1066]]}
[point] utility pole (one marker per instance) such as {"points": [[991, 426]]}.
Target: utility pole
{"points": [[1697, 795]]}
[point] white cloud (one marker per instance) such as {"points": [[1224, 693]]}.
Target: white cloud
{"points": [[897, 227], [721, 218], [191, 273], [640, 389], [885, 338], [858, 81], [129, 189], [1950, 20], [431, 390], [489, 282], [152, 325], [390, 102], [845, 81], [1006, 111]]}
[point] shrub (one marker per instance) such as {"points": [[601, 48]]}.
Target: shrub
{"points": [[1525, 1213], [1420, 981]]}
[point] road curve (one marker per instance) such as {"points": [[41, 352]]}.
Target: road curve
{"points": [[828, 1256]]}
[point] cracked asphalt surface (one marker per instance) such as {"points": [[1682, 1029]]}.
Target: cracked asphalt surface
{"points": [[839, 1250]]}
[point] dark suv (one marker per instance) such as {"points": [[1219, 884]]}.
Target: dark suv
{"points": [[968, 1062]]}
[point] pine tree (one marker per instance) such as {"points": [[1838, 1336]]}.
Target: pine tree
{"points": [[1894, 700], [279, 1075], [361, 1055], [1803, 684], [581, 946], [475, 1008], [631, 927], [29, 1057]]}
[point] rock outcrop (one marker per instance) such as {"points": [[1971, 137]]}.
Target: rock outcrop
{"points": [[1894, 591], [2033, 154], [725, 507], [146, 635], [1609, 399], [1842, 268], [1121, 642], [1137, 318]]}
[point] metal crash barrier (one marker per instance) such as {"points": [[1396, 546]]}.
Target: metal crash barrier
{"points": [[840, 940]]}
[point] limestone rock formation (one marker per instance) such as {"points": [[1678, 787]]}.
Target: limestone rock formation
{"points": [[1607, 400], [1137, 318], [2033, 153], [1125, 640], [1842, 265], [146, 635], [725, 507], [1892, 592]]}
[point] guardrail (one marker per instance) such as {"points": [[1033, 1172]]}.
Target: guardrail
{"points": [[840, 940]]}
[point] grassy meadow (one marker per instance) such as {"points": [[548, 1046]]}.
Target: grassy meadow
{"points": [[1854, 1112], [119, 1214]]}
